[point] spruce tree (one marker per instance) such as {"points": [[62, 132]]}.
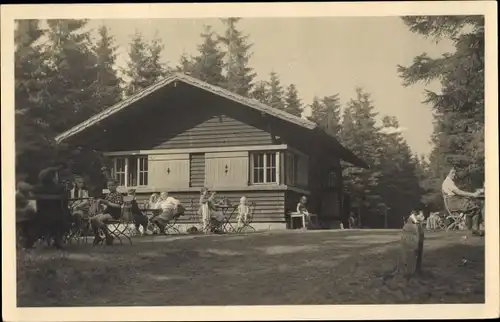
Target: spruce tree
{"points": [[109, 91], [33, 135], [207, 65], [239, 76], [260, 92], [458, 138], [276, 92], [72, 74], [293, 104], [360, 134], [327, 113], [144, 67], [399, 184], [186, 64]]}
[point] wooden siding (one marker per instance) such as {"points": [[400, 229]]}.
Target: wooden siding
{"points": [[197, 170], [226, 169], [270, 205], [217, 131]]}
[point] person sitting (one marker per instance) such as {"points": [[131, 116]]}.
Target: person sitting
{"points": [[170, 208], [112, 203], [140, 219], [243, 212], [433, 221], [458, 200], [302, 209], [79, 208]]}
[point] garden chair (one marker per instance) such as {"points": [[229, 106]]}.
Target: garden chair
{"points": [[303, 217], [454, 218], [248, 222], [171, 226], [120, 228]]}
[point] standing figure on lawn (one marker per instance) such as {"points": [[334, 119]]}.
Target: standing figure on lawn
{"points": [[112, 203], [53, 218]]}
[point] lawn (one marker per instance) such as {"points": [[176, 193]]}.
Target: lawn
{"points": [[269, 268]]}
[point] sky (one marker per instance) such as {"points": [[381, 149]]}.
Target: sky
{"points": [[321, 56]]}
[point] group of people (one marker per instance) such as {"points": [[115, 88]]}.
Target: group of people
{"points": [[471, 204]]}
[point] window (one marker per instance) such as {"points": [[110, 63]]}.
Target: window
{"points": [[264, 167], [332, 179], [131, 171]]}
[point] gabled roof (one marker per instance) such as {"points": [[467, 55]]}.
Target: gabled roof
{"points": [[193, 82], [251, 103]]}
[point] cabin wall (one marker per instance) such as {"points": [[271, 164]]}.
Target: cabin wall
{"points": [[217, 130], [270, 205]]}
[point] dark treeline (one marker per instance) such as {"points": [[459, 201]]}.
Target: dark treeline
{"points": [[63, 76]]}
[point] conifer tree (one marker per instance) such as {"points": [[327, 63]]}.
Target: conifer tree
{"points": [[33, 134], [276, 92], [293, 104], [72, 74], [360, 134], [260, 92], [207, 65], [144, 67], [327, 113], [458, 138], [239, 76], [186, 64], [109, 91]]}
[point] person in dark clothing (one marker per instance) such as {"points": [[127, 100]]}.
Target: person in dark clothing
{"points": [[53, 218], [140, 219]]}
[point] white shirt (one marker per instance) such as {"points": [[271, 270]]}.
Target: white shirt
{"points": [[449, 187], [169, 203]]}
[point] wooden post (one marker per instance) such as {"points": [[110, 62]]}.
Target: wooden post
{"points": [[412, 246]]}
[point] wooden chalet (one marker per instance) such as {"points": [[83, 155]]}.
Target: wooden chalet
{"points": [[181, 134]]}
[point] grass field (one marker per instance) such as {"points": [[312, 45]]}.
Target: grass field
{"points": [[270, 268]]}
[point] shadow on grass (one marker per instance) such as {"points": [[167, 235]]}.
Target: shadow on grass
{"points": [[250, 272], [445, 279]]}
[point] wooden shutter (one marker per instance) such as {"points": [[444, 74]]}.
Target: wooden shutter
{"points": [[303, 170], [169, 171], [226, 169]]}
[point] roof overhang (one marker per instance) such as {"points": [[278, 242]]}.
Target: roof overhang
{"points": [[173, 79]]}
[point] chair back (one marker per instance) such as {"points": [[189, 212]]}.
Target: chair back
{"points": [[446, 204], [126, 209]]}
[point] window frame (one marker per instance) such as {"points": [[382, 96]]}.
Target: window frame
{"points": [[265, 168], [141, 160]]}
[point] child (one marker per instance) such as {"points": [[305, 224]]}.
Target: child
{"points": [[205, 207], [302, 209], [243, 212], [139, 218]]}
